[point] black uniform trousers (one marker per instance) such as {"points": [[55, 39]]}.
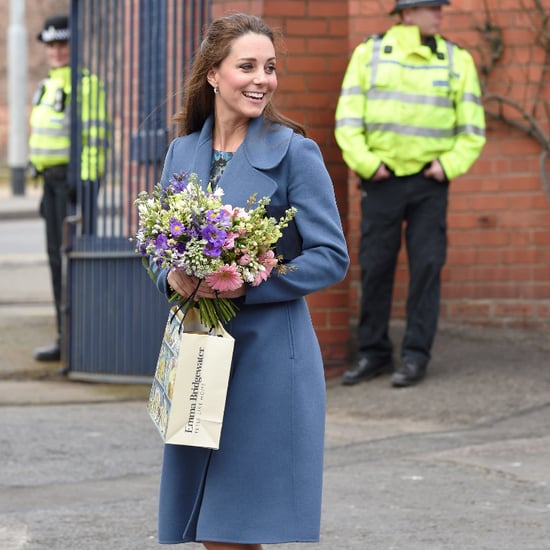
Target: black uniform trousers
{"points": [[58, 201], [420, 205], [53, 208]]}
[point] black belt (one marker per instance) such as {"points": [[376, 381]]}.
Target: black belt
{"points": [[58, 171]]}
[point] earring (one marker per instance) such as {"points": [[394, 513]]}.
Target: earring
{"points": [[216, 89]]}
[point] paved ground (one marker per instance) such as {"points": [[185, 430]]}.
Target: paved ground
{"points": [[459, 462]]}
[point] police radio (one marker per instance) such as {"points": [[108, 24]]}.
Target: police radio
{"points": [[59, 100], [38, 93]]}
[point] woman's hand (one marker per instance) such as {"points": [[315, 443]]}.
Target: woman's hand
{"points": [[241, 291], [185, 285]]}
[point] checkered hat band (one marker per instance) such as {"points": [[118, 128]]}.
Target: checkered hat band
{"points": [[53, 35]]}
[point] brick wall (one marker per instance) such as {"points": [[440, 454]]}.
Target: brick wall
{"points": [[498, 268], [35, 14], [316, 44]]}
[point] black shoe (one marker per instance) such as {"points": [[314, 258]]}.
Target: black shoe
{"points": [[364, 369], [408, 375], [48, 353]]}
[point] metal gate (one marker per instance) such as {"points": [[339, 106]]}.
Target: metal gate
{"points": [[140, 50]]}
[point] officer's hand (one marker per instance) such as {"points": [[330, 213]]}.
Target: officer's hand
{"points": [[435, 171], [33, 171], [382, 173]]}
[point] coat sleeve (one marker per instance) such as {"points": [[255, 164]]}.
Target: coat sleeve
{"points": [[350, 132], [158, 273], [324, 258], [470, 119]]}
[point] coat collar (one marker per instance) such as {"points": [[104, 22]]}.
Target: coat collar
{"points": [[409, 40], [264, 146]]}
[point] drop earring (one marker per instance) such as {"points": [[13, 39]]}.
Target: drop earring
{"points": [[216, 89]]}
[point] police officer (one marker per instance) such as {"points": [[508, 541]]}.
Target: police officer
{"points": [[49, 150], [409, 119]]}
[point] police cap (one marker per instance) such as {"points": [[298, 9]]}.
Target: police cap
{"points": [[402, 4], [56, 29]]}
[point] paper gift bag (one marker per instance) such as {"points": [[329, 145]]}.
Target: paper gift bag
{"points": [[188, 393]]}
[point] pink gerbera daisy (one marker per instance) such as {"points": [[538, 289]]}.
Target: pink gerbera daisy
{"points": [[227, 278]]}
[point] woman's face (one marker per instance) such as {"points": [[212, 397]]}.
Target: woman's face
{"points": [[246, 78], [58, 53]]}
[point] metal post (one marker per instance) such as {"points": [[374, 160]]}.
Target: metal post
{"points": [[17, 94]]}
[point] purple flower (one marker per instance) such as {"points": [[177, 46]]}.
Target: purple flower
{"points": [[176, 227], [192, 232], [221, 217], [142, 242], [161, 242], [215, 239], [178, 182]]}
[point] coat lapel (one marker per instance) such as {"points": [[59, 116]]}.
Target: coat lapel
{"points": [[263, 149], [203, 153]]}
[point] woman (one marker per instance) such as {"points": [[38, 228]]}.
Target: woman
{"points": [[264, 483]]}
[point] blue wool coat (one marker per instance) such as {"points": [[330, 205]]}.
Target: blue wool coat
{"points": [[263, 485]]}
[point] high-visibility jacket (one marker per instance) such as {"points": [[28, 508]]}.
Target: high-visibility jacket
{"points": [[49, 142], [405, 104]]}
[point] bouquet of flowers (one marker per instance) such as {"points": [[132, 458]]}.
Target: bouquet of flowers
{"points": [[182, 226]]}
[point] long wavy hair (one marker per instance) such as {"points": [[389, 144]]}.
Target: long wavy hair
{"points": [[198, 100]]}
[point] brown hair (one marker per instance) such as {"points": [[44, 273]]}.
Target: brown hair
{"points": [[198, 102]]}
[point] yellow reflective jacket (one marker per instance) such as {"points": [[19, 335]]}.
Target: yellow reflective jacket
{"points": [[404, 104], [49, 142]]}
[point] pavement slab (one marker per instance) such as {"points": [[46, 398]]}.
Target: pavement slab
{"points": [[459, 462]]}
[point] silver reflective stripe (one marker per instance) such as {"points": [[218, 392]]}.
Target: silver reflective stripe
{"points": [[36, 151], [437, 101], [352, 90], [414, 67], [411, 130], [418, 131], [53, 132], [472, 98], [354, 122], [375, 60], [470, 129], [451, 58]]}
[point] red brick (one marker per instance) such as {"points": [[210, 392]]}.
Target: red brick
{"points": [[489, 202], [306, 27], [468, 310], [285, 8], [514, 309], [499, 215], [462, 221], [541, 237]]}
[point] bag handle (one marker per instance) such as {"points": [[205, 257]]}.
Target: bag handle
{"points": [[191, 322]]}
